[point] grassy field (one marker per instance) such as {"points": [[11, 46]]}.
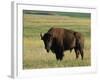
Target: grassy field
{"points": [[34, 54]]}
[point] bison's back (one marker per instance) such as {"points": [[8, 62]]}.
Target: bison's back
{"points": [[69, 39], [64, 37]]}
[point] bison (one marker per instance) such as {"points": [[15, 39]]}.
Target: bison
{"points": [[59, 39]]}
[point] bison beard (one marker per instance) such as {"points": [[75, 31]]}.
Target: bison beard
{"points": [[58, 40]]}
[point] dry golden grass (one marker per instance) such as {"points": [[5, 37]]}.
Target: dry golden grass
{"points": [[34, 54]]}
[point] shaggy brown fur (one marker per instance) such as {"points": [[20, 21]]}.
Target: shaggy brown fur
{"points": [[59, 39]]}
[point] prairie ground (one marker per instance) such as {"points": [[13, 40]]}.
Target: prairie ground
{"points": [[34, 54]]}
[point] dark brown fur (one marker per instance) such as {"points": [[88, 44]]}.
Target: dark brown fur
{"points": [[60, 39]]}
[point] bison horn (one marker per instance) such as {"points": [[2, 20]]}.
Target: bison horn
{"points": [[41, 36]]}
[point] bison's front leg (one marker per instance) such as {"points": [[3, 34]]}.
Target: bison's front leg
{"points": [[59, 54]]}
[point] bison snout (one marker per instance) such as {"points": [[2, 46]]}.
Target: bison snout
{"points": [[47, 49]]}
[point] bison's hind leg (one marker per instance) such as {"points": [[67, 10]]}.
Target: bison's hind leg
{"points": [[77, 53], [82, 53]]}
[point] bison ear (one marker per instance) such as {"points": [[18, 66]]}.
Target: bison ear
{"points": [[41, 36]]}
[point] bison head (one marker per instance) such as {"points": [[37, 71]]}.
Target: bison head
{"points": [[47, 39]]}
